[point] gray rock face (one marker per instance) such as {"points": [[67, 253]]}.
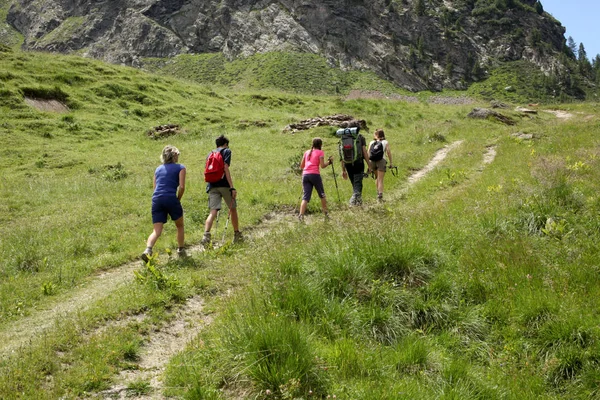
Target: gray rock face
{"points": [[445, 46]]}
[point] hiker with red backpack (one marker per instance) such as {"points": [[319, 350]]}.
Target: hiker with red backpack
{"points": [[312, 161], [169, 185], [220, 187], [379, 155], [353, 153]]}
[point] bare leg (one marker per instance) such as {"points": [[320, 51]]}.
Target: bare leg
{"points": [[303, 207], [180, 232], [380, 175], [324, 205], [158, 228], [210, 219], [234, 219]]}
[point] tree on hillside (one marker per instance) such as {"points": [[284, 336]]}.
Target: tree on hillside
{"points": [[571, 47], [420, 8], [585, 68], [581, 53], [596, 68], [539, 8]]}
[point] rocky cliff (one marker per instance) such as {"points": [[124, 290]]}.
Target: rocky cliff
{"points": [[418, 44]]}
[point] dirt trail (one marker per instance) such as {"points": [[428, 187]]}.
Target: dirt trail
{"points": [[158, 350], [99, 286], [437, 158], [490, 155], [174, 336]]}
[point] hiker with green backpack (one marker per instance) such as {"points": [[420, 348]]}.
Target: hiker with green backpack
{"points": [[379, 155], [353, 153]]}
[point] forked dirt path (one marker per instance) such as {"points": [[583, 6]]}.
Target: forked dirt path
{"points": [[162, 344], [437, 158]]}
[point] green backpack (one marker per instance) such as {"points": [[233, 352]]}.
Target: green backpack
{"points": [[350, 145]]}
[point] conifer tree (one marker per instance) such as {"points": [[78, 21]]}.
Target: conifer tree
{"points": [[585, 67], [420, 8], [571, 46]]}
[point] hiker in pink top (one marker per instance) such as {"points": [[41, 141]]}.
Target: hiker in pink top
{"points": [[312, 161]]}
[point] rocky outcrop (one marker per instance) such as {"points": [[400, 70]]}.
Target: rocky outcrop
{"points": [[446, 44], [484, 113]]}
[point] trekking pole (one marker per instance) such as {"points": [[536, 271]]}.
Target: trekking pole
{"points": [[225, 230], [336, 185]]}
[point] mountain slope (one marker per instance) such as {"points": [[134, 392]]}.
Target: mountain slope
{"points": [[416, 44]]}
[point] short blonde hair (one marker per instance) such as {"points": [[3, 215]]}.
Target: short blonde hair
{"points": [[170, 155]]}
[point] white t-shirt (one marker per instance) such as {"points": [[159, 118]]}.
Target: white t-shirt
{"points": [[385, 144]]}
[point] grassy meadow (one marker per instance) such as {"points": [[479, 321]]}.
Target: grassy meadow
{"points": [[480, 281]]}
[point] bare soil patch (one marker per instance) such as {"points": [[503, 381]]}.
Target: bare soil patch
{"points": [[490, 155], [450, 100], [560, 114], [47, 105], [377, 95]]}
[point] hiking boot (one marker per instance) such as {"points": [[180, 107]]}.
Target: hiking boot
{"points": [[238, 237], [356, 200], [300, 217], [380, 197], [326, 214], [205, 239], [181, 252], [146, 255]]}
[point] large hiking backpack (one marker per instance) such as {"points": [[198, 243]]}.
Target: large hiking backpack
{"points": [[215, 167], [350, 145], [376, 151]]}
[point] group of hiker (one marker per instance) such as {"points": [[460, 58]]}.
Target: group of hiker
{"points": [[353, 153], [169, 181]]}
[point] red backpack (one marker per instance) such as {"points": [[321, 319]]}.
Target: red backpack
{"points": [[215, 167]]}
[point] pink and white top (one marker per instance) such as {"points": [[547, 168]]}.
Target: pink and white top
{"points": [[312, 163]]}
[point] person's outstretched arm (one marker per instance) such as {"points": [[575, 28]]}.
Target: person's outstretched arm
{"points": [[329, 161]]}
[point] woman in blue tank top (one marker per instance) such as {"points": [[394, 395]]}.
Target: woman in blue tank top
{"points": [[169, 185]]}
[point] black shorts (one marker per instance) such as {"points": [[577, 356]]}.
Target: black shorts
{"points": [[308, 182], [166, 205]]}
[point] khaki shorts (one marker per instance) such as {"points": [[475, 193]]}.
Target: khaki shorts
{"points": [[379, 165], [216, 194]]}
